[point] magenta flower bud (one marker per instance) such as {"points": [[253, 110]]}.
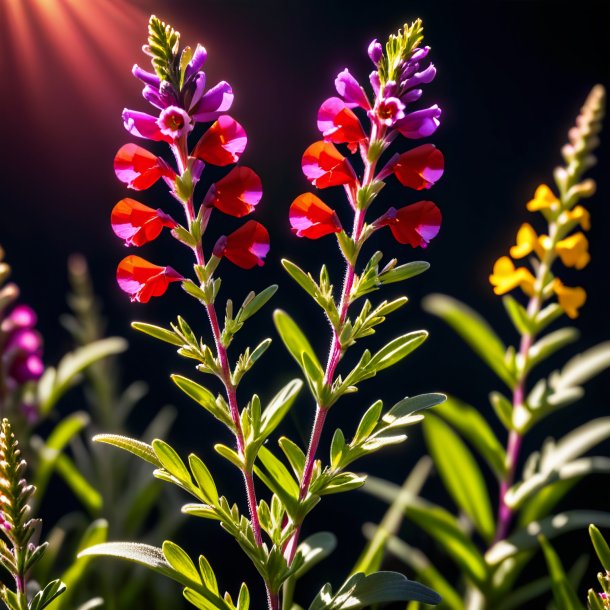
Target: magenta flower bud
{"points": [[148, 78], [375, 82], [22, 316], [351, 91], [26, 369], [412, 96], [196, 63], [375, 51], [420, 78], [174, 122], [419, 54], [24, 340]]}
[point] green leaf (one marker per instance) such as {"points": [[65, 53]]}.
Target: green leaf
{"points": [[518, 315], [396, 350], [550, 344], [403, 272], [178, 559], [601, 547], [278, 407], [477, 333], [503, 408], [171, 461], [518, 598], [360, 591], [342, 482], [204, 479], [294, 454], [43, 598], [278, 479], [461, 475], [230, 455], [526, 538], [153, 558], [577, 442], [142, 450], [158, 333], [254, 303], [203, 397], [474, 428], [581, 368], [56, 382], [304, 280], [563, 593], [314, 549]]}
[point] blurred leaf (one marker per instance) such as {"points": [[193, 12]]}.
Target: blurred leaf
{"points": [[360, 591], [474, 330], [549, 344], [517, 598], [563, 593], [518, 315], [314, 549], [527, 538], [55, 382], [440, 525], [474, 428], [581, 368], [460, 473], [601, 547], [89, 497], [142, 450]]}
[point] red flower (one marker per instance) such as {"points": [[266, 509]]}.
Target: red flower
{"points": [[237, 193], [223, 143], [311, 217], [138, 168], [245, 247], [420, 168], [138, 224], [339, 124], [325, 166], [142, 280], [414, 224]]}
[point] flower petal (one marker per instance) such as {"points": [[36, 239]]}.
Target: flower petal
{"points": [[311, 217], [144, 125], [415, 224], [325, 166], [237, 193], [420, 168], [142, 280], [246, 247], [420, 124], [351, 91], [137, 223], [223, 143], [213, 103], [339, 124], [139, 168]]}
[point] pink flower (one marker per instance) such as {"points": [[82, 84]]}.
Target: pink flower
{"points": [[415, 224], [140, 169], [174, 122], [325, 166], [137, 223], [311, 217], [246, 247], [237, 193], [419, 168], [223, 143], [339, 124], [142, 280]]}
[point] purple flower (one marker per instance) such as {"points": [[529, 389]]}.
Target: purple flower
{"points": [[144, 125], [351, 91], [194, 66], [213, 103], [390, 110], [375, 51], [174, 122], [420, 124]]}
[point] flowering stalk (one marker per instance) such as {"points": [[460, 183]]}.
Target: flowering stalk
{"points": [[17, 551], [562, 216], [395, 82]]}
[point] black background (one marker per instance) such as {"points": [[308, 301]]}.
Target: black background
{"points": [[511, 78]]}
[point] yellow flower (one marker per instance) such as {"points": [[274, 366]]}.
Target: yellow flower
{"points": [[580, 215], [527, 241], [570, 299], [506, 278], [544, 198], [573, 251]]}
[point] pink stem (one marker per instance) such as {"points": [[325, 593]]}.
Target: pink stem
{"points": [[231, 390]]}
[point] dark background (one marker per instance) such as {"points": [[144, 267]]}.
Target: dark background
{"points": [[511, 78]]}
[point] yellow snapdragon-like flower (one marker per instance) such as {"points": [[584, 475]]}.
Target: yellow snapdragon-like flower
{"points": [[570, 299], [581, 215], [574, 251], [527, 242], [506, 278], [544, 198]]}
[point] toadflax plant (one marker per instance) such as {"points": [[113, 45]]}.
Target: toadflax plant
{"points": [[493, 551], [267, 530]]}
